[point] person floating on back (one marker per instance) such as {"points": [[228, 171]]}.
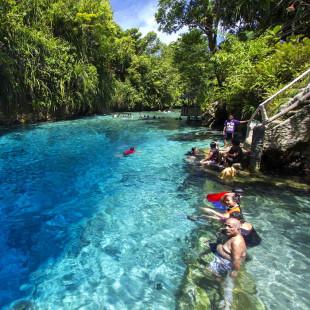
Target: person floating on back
{"points": [[230, 128], [129, 152]]}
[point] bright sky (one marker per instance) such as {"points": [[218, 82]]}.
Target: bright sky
{"points": [[139, 14]]}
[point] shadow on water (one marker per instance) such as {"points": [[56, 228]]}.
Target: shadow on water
{"points": [[196, 136]]}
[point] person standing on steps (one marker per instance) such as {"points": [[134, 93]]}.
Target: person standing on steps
{"points": [[230, 128]]}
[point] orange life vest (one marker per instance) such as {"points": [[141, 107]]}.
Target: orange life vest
{"points": [[233, 209]]}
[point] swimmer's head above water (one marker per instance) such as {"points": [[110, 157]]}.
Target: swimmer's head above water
{"points": [[232, 198], [229, 200], [213, 145], [232, 227], [194, 151]]}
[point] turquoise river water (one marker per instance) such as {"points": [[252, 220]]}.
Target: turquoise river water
{"points": [[83, 227]]}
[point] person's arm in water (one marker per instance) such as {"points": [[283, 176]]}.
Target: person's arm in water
{"points": [[217, 214], [236, 257], [213, 217]]}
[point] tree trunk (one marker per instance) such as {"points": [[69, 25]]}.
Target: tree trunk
{"points": [[212, 35]]}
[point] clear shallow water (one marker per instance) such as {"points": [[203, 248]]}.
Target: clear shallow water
{"points": [[81, 226], [84, 226], [280, 265]]}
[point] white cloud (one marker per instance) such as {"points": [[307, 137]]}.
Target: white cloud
{"points": [[144, 19]]}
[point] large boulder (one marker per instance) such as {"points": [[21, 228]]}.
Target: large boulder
{"points": [[286, 146]]}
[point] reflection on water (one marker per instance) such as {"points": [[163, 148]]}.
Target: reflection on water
{"points": [[280, 265], [84, 227], [197, 136]]}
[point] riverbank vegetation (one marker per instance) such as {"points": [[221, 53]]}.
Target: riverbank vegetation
{"points": [[61, 59]]}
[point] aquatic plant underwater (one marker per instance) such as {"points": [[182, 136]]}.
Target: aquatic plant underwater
{"points": [[83, 226]]}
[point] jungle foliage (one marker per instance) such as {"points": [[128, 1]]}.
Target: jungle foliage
{"points": [[264, 45], [62, 58], [65, 58]]}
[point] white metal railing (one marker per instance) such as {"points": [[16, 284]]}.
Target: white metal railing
{"points": [[262, 107]]}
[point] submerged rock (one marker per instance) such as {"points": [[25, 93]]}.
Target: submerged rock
{"points": [[203, 290], [23, 305]]}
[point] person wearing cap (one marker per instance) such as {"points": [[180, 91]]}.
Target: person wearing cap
{"points": [[230, 201], [213, 156]]}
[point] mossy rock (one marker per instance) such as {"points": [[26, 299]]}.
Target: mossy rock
{"points": [[195, 298], [192, 296], [244, 293], [201, 289], [247, 178], [244, 300]]}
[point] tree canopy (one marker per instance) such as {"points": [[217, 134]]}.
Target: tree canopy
{"points": [[65, 58]]}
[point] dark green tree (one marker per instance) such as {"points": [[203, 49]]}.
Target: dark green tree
{"points": [[192, 58], [173, 15]]}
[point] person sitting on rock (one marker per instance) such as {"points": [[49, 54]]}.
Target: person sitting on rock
{"points": [[213, 156], [234, 155]]}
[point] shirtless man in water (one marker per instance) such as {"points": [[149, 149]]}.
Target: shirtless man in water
{"points": [[232, 253]]}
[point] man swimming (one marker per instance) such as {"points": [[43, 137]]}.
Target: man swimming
{"points": [[230, 255]]}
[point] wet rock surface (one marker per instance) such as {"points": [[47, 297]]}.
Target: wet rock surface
{"points": [[203, 290], [286, 147]]}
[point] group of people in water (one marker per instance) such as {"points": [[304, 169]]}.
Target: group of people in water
{"points": [[216, 158], [123, 115], [237, 234], [150, 117]]}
